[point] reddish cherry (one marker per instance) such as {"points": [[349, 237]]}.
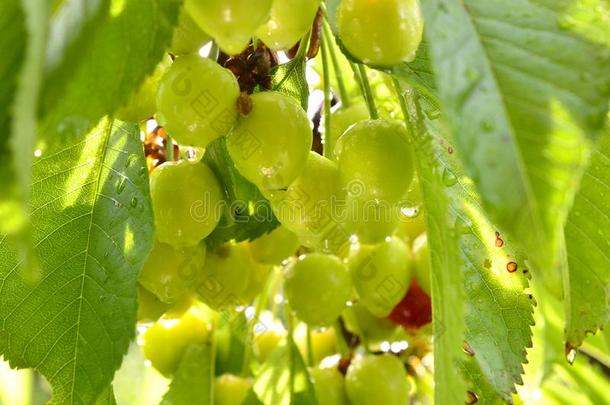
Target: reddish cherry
{"points": [[414, 310]]}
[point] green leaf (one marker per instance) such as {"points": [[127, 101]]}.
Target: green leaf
{"points": [[582, 383], [122, 50], [549, 377], [23, 132], [107, 397], [418, 74], [289, 78], [92, 229], [498, 308], [284, 379], [231, 335], [72, 28], [246, 213], [522, 136], [13, 43], [587, 233], [445, 262], [194, 381], [497, 311]]}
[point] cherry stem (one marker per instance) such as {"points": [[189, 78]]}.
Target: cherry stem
{"points": [[169, 148], [328, 36], [412, 120], [310, 359], [303, 46], [261, 302], [342, 345], [365, 341], [291, 344], [328, 141], [367, 93]]}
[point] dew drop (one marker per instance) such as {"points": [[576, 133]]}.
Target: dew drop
{"points": [[472, 398], [487, 264], [410, 212], [499, 240], [564, 23], [120, 185], [511, 267], [193, 154], [449, 178], [102, 299], [570, 352], [134, 202], [462, 227], [450, 150], [487, 125], [433, 114], [130, 160]]}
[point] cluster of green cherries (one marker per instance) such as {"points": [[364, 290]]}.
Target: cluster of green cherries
{"points": [[345, 248]]}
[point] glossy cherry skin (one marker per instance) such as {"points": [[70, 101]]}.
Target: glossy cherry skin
{"points": [[231, 22], [289, 21], [414, 310], [382, 33], [309, 207], [196, 100], [381, 274], [377, 379], [317, 287], [186, 200], [269, 146]]}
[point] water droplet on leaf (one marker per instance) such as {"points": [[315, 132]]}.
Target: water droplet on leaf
{"points": [[487, 125], [130, 160], [433, 114], [120, 185], [463, 226], [511, 267], [565, 23], [449, 178]]}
